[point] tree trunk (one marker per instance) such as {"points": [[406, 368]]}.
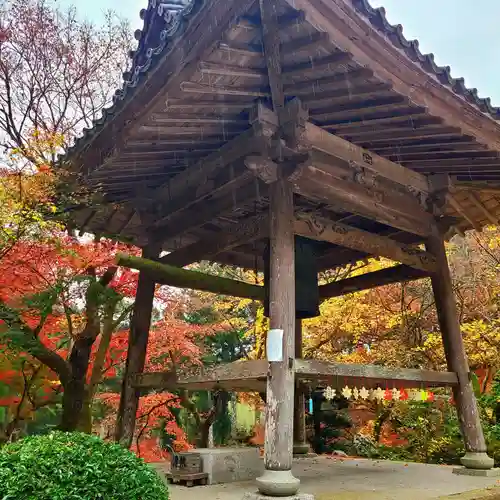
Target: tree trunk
{"points": [[75, 389]]}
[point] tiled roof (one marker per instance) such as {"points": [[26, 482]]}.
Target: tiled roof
{"points": [[166, 19], [163, 21], [379, 21]]}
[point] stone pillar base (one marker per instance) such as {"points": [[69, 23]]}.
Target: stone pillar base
{"points": [[463, 471], [278, 483], [260, 496], [301, 448], [474, 460]]}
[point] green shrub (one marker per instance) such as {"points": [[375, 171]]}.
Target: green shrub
{"points": [[70, 466]]}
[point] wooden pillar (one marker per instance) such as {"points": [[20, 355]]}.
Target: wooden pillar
{"points": [[468, 414], [300, 445], [136, 354], [278, 445]]}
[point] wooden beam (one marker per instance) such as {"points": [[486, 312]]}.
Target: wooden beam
{"points": [[321, 229], [222, 376], [479, 204], [244, 231], [367, 281], [247, 375], [271, 43], [323, 180], [371, 375], [182, 278], [335, 146]]}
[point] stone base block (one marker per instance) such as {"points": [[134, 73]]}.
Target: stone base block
{"points": [[464, 471], [301, 448], [278, 483], [227, 465], [307, 455], [260, 496], [477, 460]]}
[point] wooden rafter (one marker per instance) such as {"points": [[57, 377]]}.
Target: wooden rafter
{"points": [[248, 230], [199, 214], [247, 142], [461, 210], [206, 29], [479, 204], [351, 31]]}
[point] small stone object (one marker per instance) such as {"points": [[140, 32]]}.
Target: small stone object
{"points": [[347, 392], [364, 393], [339, 453], [329, 393], [396, 394], [379, 394]]}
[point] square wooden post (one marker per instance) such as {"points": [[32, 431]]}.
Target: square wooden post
{"points": [[456, 358], [136, 353], [278, 445], [300, 445]]}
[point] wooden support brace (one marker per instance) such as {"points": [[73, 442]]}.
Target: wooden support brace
{"points": [[182, 278], [321, 229], [396, 274]]}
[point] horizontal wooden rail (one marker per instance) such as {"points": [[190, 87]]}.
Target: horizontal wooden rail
{"points": [[251, 376], [340, 374]]}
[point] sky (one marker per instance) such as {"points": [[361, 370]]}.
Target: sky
{"points": [[462, 34]]}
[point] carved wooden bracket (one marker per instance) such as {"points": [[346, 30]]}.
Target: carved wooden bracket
{"points": [[293, 125], [263, 168]]}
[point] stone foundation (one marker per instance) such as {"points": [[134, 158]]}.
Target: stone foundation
{"points": [[226, 465], [259, 496], [464, 471]]}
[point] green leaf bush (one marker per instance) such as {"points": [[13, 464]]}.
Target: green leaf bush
{"points": [[71, 466]]}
